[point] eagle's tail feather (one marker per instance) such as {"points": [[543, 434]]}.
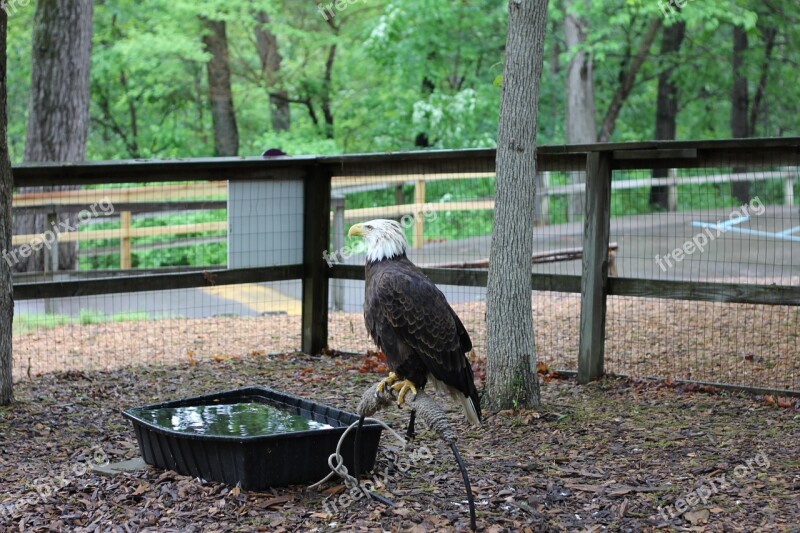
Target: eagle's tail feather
{"points": [[467, 402], [469, 409]]}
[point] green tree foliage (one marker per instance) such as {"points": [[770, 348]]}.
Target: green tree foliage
{"points": [[381, 75]]}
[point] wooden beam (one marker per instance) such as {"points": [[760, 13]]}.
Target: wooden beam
{"points": [[645, 288], [594, 284], [192, 242], [757, 151], [554, 256], [134, 207], [153, 171], [395, 211], [656, 153], [738, 293], [73, 236], [154, 282], [316, 240], [104, 199], [471, 278], [125, 240]]}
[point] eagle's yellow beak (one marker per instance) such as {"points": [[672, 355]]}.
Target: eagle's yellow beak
{"points": [[356, 231]]}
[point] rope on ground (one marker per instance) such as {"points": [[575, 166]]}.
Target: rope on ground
{"points": [[336, 461]]}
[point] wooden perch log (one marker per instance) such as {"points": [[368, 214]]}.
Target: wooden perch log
{"points": [[566, 254]]}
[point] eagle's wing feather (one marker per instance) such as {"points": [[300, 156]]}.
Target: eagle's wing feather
{"points": [[418, 320]]}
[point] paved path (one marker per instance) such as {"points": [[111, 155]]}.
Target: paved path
{"points": [[761, 248]]}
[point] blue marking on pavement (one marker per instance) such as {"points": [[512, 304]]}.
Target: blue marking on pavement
{"points": [[790, 231], [725, 227]]}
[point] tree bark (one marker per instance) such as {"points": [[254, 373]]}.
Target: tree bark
{"points": [[6, 184], [511, 365], [223, 115], [581, 127], [666, 104], [628, 79], [269, 54], [739, 105], [58, 110]]}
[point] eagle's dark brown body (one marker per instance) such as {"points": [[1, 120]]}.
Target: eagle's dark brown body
{"points": [[410, 320]]}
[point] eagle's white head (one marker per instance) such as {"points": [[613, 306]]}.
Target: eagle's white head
{"points": [[385, 239]]}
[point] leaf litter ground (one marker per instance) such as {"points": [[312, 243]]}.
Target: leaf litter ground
{"points": [[617, 455]]}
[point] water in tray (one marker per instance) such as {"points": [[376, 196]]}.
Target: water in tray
{"points": [[236, 419]]}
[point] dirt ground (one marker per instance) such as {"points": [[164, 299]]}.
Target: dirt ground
{"points": [[748, 345], [617, 455]]}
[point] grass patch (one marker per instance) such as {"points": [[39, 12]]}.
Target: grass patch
{"points": [[31, 322]]}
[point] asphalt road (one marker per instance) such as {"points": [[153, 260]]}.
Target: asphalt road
{"points": [[754, 246]]}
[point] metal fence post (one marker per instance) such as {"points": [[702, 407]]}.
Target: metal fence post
{"points": [[316, 239], [594, 281]]}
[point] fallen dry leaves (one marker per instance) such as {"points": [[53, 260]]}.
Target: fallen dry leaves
{"points": [[595, 458]]}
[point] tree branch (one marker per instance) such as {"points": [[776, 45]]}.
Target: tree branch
{"points": [[768, 34], [627, 82]]}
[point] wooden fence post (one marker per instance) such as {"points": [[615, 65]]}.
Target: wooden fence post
{"points": [[788, 188], [125, 240], [672, 191], [594, 282], [542, 202], [337, 290], [316, 240], [419, 216], [51, 258], [51, 252]]}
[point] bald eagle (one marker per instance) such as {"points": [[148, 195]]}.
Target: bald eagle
{"points": [[411, 322]]}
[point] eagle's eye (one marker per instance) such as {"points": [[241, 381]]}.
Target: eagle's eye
{"points": [[367, 227]]}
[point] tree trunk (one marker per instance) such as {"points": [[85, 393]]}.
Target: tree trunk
{"points": [[511, 365], [666, 104], [268, 53], [6, 184], [223, 116], [739, 106], [58, 110], [581, 126]]}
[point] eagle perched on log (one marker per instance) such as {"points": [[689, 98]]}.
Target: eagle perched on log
{"points": [[411, 322]]}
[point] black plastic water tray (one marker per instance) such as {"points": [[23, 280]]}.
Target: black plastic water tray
{"points": [[256, 462]]}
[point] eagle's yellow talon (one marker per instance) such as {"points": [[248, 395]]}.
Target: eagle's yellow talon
{"points": [[388, 381], [403, 387]]}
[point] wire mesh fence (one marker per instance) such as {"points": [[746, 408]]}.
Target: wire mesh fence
{"points": [[116, 232], [716, 224], [229, 262]]}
